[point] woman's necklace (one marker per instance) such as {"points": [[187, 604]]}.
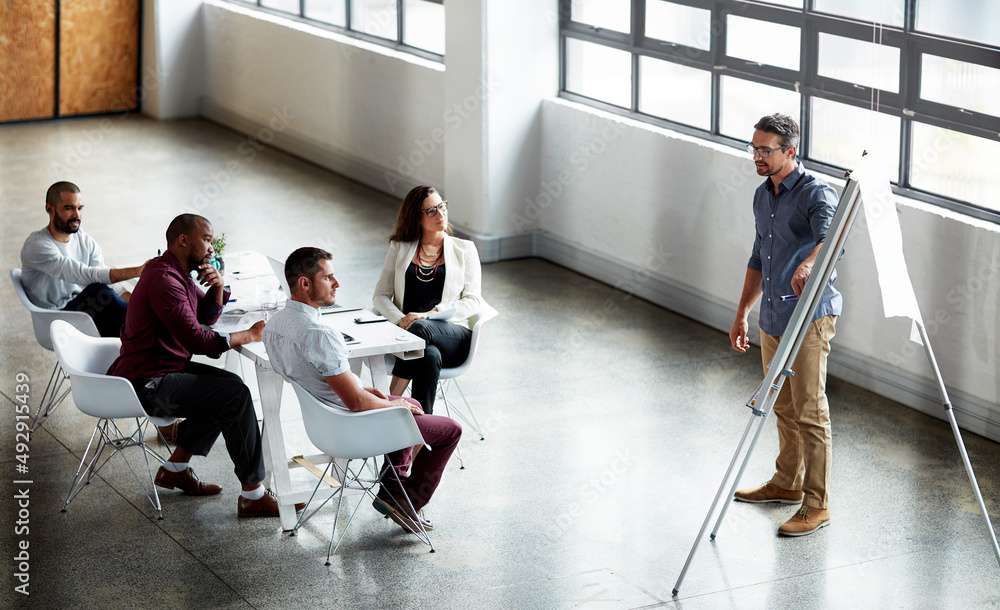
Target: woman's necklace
{"points": [[427, 265]]}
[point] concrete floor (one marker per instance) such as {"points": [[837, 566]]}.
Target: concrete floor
{"points": [[607, 437]]}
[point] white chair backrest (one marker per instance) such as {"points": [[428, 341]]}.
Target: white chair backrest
{"points": [[86, 359], [350, 435], [476, 321], [41, 318]]}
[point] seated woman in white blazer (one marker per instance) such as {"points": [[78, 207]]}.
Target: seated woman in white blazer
{"points": [[429, 285]]}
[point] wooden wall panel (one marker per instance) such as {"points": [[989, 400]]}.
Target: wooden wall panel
{"points": [[27, 60], [99, 55]]}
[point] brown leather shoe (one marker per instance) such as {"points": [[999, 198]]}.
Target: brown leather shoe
{"points": [[769, 492], [805, 522], [266, 506], [187, 481]]}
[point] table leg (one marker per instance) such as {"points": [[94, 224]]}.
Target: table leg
{"points": [[273, 443], [380, 376]]}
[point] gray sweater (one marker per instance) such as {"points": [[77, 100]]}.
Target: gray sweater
{"points": [[53, 272]]}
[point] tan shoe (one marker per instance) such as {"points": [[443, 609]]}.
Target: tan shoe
{"points": [[806, 521], [265, 506], [187, 481], [768, 492]]}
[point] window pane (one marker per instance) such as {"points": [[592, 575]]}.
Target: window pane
{"points": [[610, 14], [855, 61], [374, 17], [744, 103], [762, 42], [327, 11], [840, 133], [679, 24], [675, 92], [288, 6], [424, 25], [966, 19], [599, 72], [957, 83], [888, 12], [956, 165]]}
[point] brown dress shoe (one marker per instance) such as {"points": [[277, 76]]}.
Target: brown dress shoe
{"points": [[266, 506], [169, 431], [768, 492], [187, 481], [806, 521]]}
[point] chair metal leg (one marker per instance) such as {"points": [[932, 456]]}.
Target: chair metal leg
{"points": [[76, 485], [472, 423], [51, 397], [112, 436]]}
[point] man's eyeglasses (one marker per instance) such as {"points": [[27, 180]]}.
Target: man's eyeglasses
{"points": [[432, 212], [763, 153]]}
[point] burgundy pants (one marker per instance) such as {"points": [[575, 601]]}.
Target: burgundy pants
{"points": [[420, 476]]}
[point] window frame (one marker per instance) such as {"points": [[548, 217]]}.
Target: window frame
{"points": [[905, 105], [346, 30]]}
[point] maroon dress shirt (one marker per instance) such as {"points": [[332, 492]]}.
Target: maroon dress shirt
{"points": [[167, 321]]}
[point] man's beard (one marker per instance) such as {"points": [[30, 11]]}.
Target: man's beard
{"points": [[65, 227], [314, 297]]}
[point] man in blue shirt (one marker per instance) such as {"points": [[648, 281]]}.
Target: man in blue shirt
{"points": [[792, 211]]}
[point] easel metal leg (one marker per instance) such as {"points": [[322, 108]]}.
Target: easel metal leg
{"points": [[958, 438], [718, 496]]}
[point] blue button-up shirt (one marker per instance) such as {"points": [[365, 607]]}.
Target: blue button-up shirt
{"points": [[789, 225]]}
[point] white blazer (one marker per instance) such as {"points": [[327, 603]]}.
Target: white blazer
{"points": [[462, 281]]}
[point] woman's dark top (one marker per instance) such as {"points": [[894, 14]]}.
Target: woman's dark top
{"points": [[422, 290]]}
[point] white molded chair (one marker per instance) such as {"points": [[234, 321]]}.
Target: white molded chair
{"points": [[85, 360], [346, 435], [41, 318], [449, 378]]}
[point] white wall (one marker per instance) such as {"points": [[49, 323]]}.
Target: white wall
{"points": [[172, 52], [363, 110], [671, 217]]}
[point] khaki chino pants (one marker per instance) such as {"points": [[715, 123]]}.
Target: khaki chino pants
{"points": [[803, 416]]}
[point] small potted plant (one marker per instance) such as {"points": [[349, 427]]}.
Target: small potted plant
{"points": [[218, 247]]}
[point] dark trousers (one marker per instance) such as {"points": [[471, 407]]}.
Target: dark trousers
{"points": [[104, 306], [420, 477], [447, 347], [212, 401]]}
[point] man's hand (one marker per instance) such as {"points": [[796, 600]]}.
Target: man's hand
{"points": [[126, 296], [402, 402], [738, 335], [800, 276], [256, 331], [208, 276]]}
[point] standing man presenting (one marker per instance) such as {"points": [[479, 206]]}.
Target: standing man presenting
{"points": [[792, 211], [63, 268]]}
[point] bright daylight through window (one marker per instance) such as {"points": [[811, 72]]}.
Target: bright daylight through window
{"points": [[931, 68]]}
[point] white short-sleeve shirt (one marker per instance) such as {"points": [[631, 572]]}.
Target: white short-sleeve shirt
{"points": [[303, 349]]}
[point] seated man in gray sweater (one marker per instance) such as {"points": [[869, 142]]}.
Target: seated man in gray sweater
{"points": [[63, 268]]}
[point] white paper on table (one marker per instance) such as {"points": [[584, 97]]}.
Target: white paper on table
{"points": [[898, 298]]}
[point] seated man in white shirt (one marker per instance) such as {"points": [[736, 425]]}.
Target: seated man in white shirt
{"points": [[303, 349], [63, 268]]}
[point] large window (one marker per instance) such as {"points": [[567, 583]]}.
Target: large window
{"points": [[929, 68], [416, 26]]}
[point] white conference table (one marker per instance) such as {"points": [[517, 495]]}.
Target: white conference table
{"points": [[372, 342]]}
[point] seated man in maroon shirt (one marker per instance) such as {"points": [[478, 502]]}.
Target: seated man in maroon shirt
{"points": [[166, 323]]}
